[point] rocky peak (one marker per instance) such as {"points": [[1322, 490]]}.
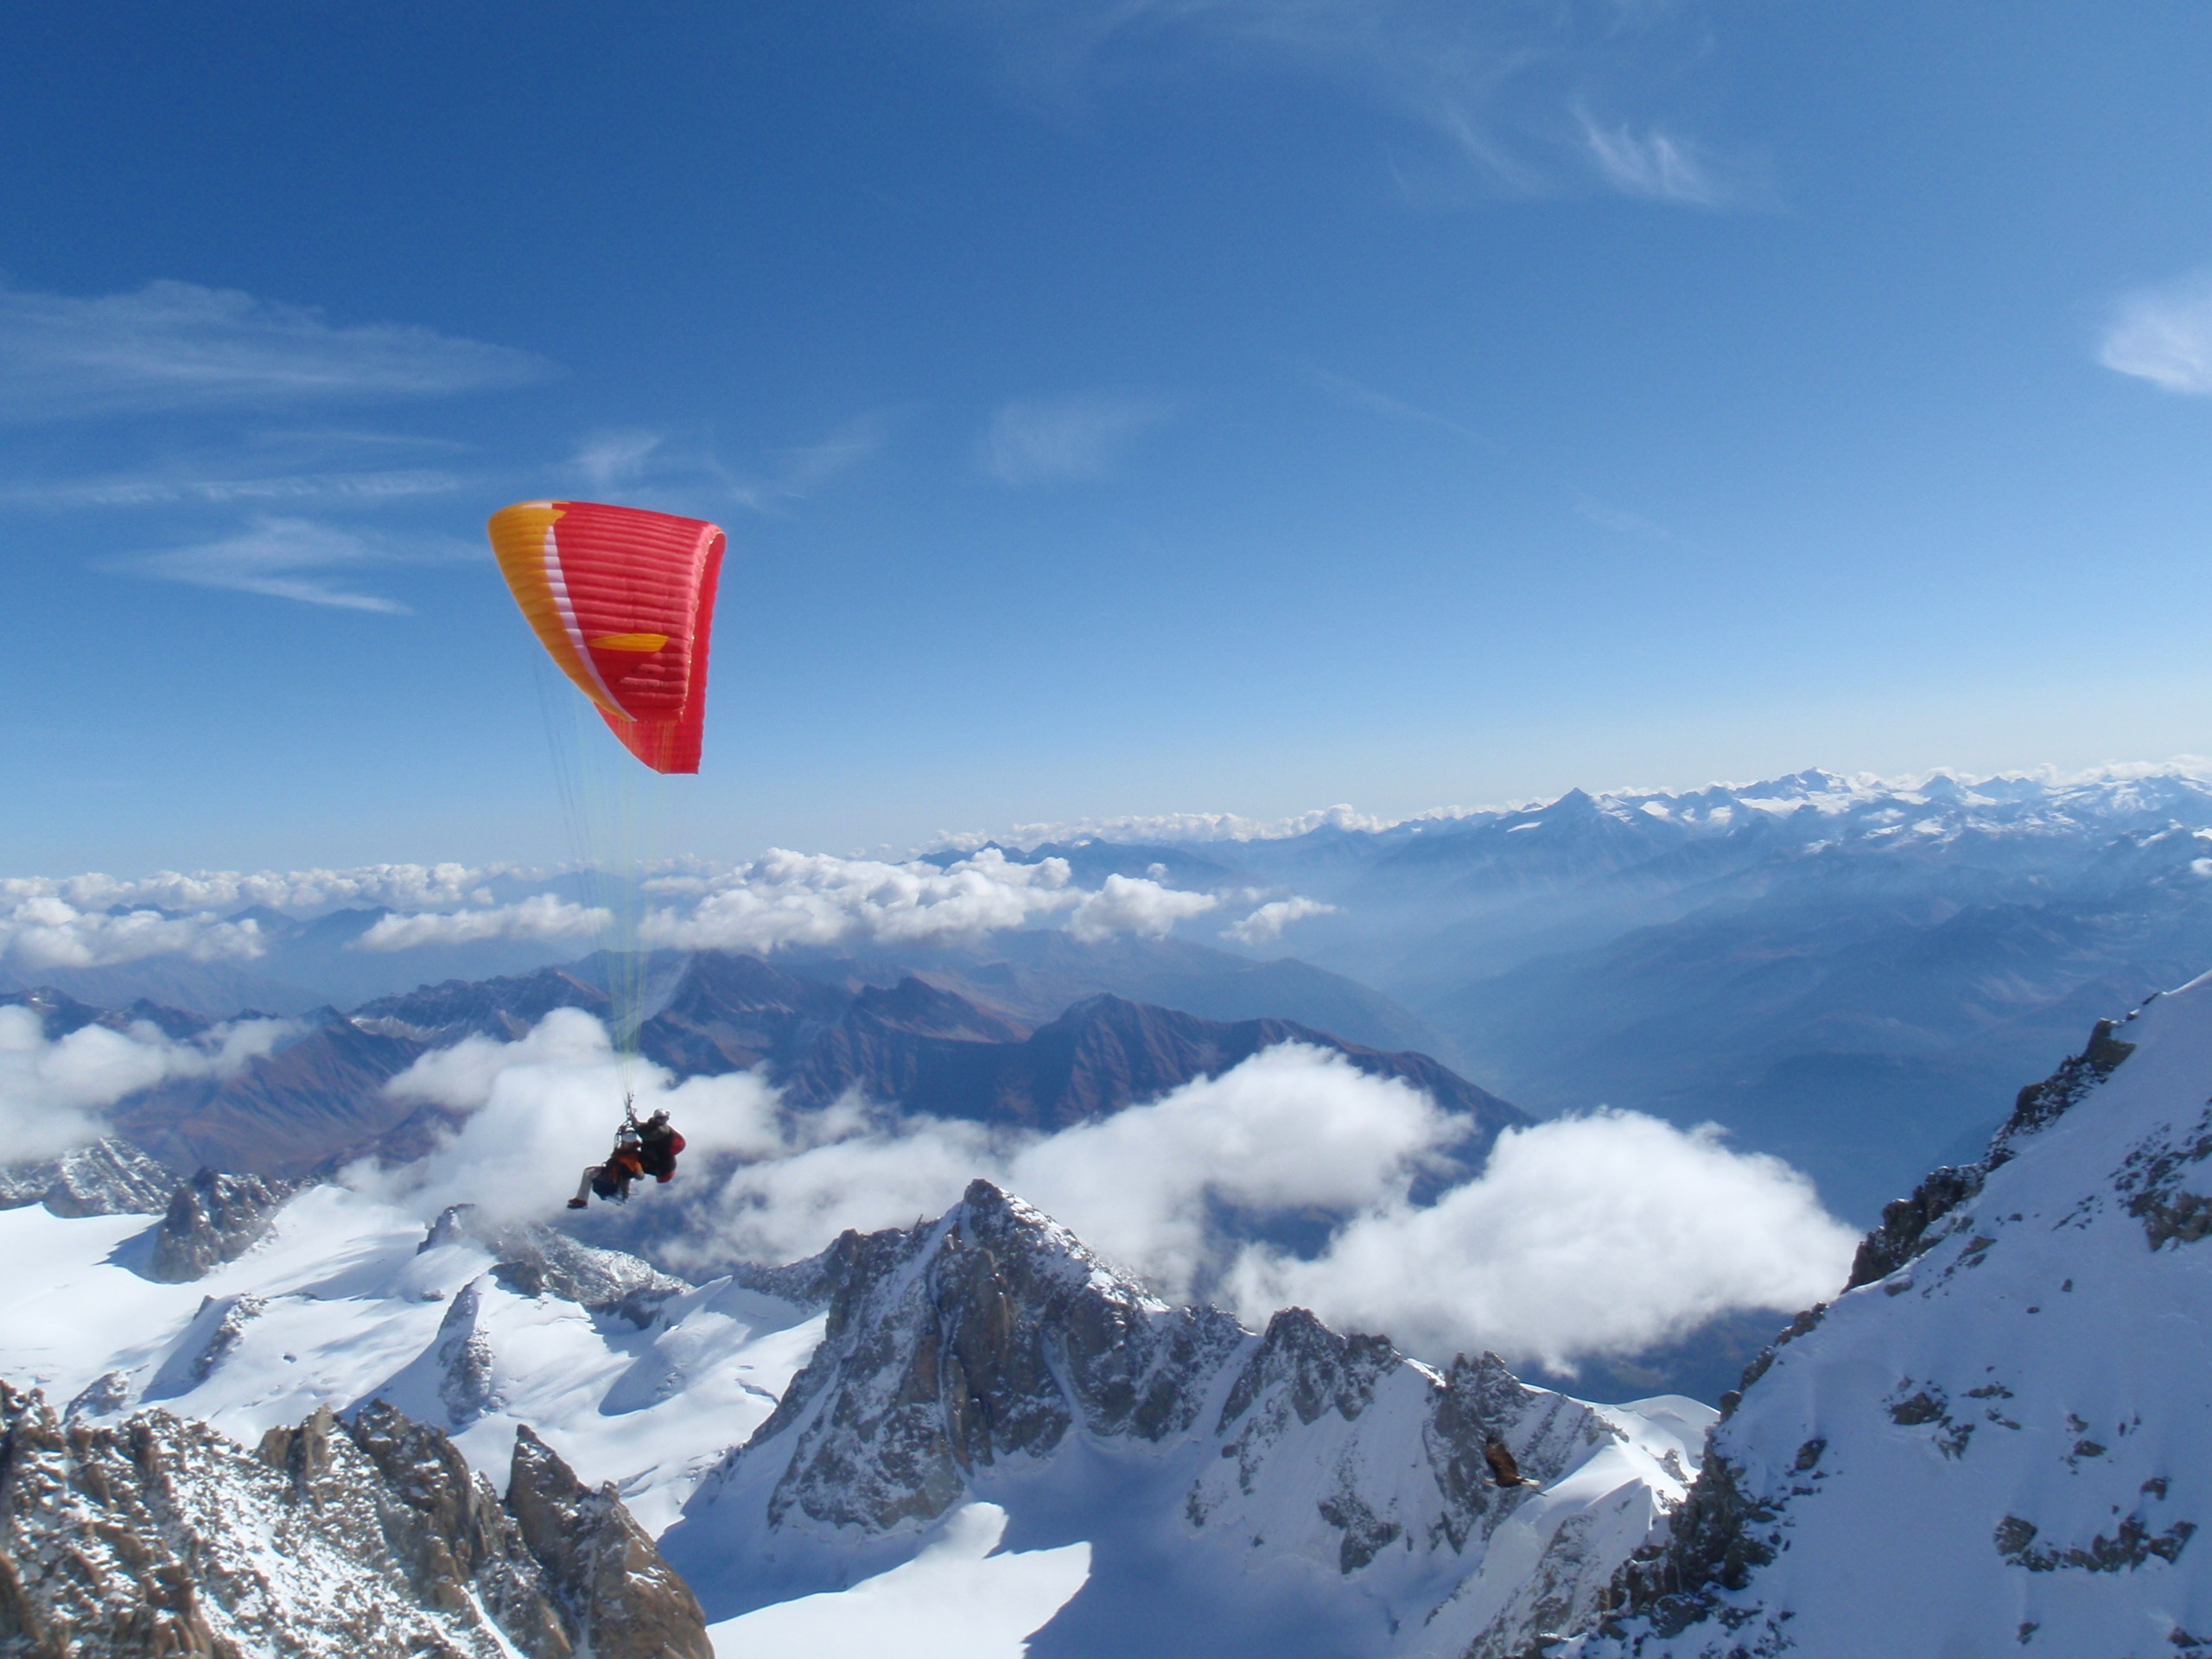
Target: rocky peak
{"points": [[990, 1354], [1317, 1369], [1912, 1225], [368, 1540], [214, 1218], [606, 1575], [102, 1178], [985, 1336], [533, 1260]]}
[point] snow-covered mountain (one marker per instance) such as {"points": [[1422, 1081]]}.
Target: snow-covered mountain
{"points": [[978, 1380], [1991, 1442], [1295, 1492], [1997, 1441]]}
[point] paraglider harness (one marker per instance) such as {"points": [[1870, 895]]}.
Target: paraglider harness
{"points": [[647, 1148]]}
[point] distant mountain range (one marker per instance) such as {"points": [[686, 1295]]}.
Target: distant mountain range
{"points": [[926, 1049], [1854, 974]]}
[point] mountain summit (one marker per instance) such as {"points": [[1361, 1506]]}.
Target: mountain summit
{"points": [[1297, 1491]]}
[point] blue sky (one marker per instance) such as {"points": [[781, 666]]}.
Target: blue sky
{"points": [[1237, 404]]}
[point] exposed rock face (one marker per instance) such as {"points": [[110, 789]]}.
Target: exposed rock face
{"points": [[212, 1218], [2001, 1424], [606, 1574], [372, 1541], [1913, 1224], [104, 1177], [536, 1261], [465, 1369], [945, 1352], [211, 1338], [980, 1353]]}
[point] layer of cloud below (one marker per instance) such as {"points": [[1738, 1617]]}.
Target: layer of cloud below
{"points": [[96, 920], [783, 899], [1265, 924], [53, 1093], [541, 916], [803, 898], [1582, 1237], [42, 931]]}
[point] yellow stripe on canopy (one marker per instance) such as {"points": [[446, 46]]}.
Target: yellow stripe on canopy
{"points": [[520, 537]]}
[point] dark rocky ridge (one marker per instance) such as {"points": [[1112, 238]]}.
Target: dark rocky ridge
{"points": [[211, 1219], [536, 1261], [102, 1178], [371, 1539]]}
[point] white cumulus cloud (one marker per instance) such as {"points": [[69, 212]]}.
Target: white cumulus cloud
{"points": [[542, 1109], [1584, 1236], [403, 886], [42, 930], [53, 1093], [541, 916], [1136, 904], [817, 899], [1265, 924], [1600, 1235], [2164, 335]]}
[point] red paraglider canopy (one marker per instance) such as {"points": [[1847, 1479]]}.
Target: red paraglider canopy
{"points": [[623, 600]]}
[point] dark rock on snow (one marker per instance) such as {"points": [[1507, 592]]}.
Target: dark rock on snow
{"points": [[103, 1177], [212, 1218], [368, 1540]]}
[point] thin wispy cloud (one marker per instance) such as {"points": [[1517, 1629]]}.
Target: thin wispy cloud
{"points": [[155, 489], [176, 346], [1657, 166], [292, 558], [802, 470], [337, 466], [637, 461], [1621, 523], [1494, 85], [1056, 440], [2164, 335], [611, 459], [1381, 403]]}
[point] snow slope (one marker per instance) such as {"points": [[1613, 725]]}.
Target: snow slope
{"points": [[956, 1599], [1292, 1492], [2002, 1443], [339, 1304]]}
